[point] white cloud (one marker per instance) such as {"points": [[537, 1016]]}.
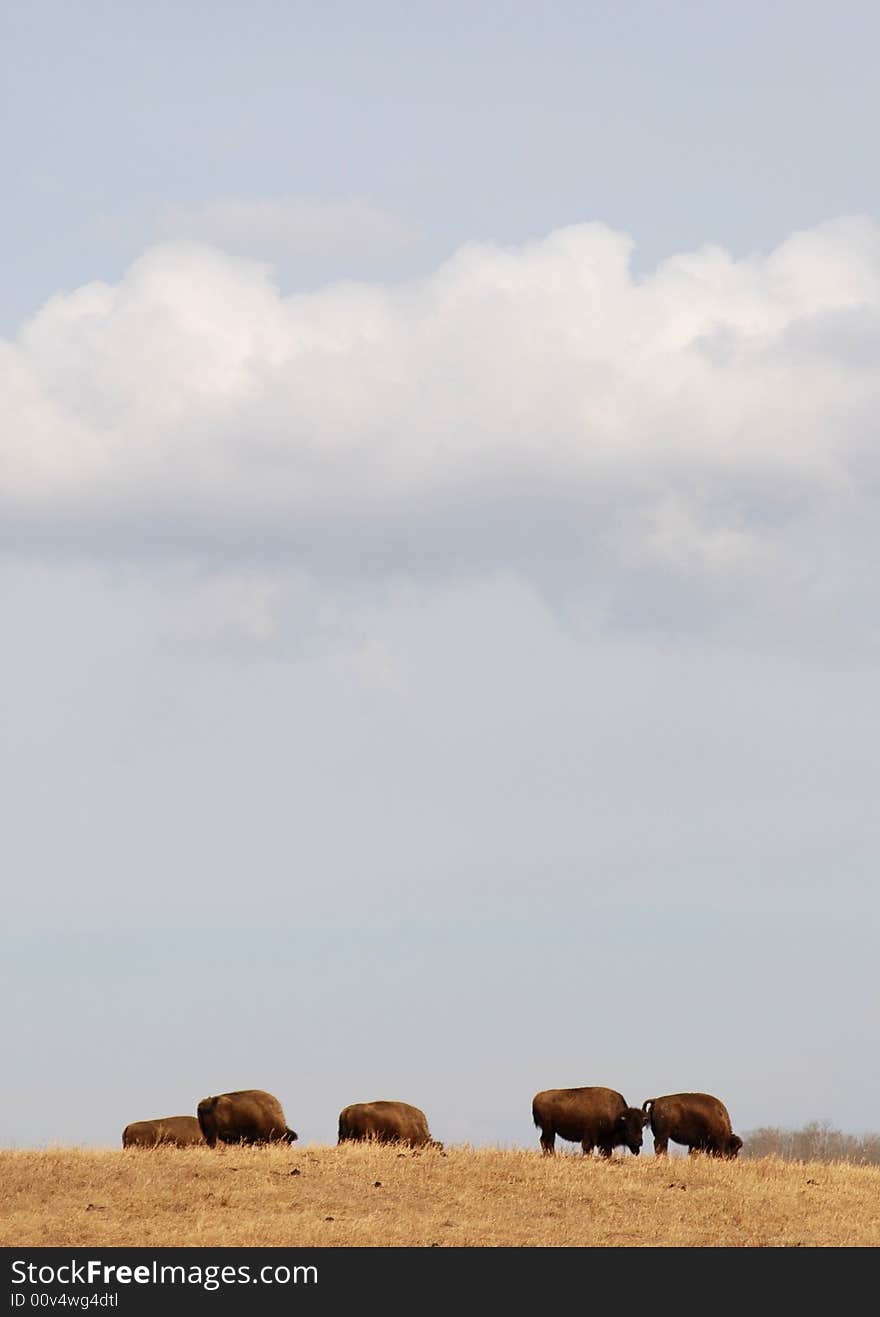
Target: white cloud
{"points": [[698, 442], [291, 227]]}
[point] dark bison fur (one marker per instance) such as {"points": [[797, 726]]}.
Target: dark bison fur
{"points": [[593, 1117], [247, 1116], [176, 1131], [698, 1120], [386, 1122]]}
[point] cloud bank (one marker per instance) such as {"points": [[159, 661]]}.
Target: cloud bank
{"points": [[697, 443]]}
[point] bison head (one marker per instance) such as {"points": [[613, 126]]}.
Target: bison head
{"points": [[630, 1124], [733, 1145]]}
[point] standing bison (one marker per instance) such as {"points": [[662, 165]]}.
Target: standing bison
{"points": [[249, 1116], [176, 1131], [386, 1122], [696, 1119], [592, 1117]]}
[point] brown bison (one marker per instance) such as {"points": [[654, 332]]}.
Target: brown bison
{"points": [[248, 1116], [178, 1131], [386, 1122], [696, 1119], [592, 1117]]}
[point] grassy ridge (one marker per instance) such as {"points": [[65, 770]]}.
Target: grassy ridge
{"points": [[375, 1195]]}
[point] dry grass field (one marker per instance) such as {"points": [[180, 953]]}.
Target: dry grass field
{"points": [[379, 1195]]}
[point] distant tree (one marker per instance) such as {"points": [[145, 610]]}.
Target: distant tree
{"points": [[815, 1142]]}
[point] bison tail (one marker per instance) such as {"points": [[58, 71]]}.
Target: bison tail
{"points": [[290, 1135], [646, 1106]]}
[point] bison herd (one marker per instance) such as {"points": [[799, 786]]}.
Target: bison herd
{"points": [[600, 1118], [253, 1116], [593, 1117]]}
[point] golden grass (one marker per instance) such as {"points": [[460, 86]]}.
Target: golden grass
{"points": [[378, 1195]]}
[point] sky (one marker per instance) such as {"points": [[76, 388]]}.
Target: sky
{"points": [[439, 484]]}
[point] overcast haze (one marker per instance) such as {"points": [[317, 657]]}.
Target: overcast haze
{"points": [[439, 523]]}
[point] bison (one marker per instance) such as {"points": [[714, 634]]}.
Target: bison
{"points": [[176, 1131], [698, 1120], [248, 1116], [386, 1122], [592, 1117]]}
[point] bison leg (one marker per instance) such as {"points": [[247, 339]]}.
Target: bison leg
{"points": [[548, 1142], [587, 1145], [661, 1145], [605, 1150]]}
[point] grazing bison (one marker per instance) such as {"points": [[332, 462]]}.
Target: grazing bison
{"points": [[696, 1119], [592, 1117], [249, 1116], [386, 1122], [178, 1131]]}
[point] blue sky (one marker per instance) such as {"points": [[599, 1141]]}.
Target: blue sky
{"points": [[679, 123], [437, 503]]}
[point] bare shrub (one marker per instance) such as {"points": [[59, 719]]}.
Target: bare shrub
{"points": [[817, 1141]]}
